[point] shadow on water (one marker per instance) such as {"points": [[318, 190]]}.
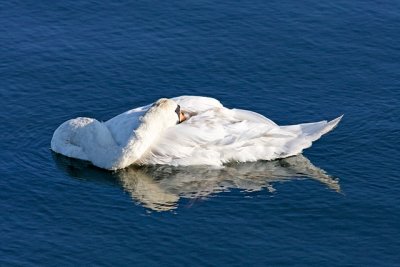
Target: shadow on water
{"points": [[160, 187]]}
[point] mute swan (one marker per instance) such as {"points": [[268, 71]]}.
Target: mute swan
{"points": [[211, 135]]}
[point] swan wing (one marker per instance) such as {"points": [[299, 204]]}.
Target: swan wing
{"points": [[219, 135], [196, 104]]}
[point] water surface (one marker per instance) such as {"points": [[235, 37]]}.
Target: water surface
{"points": [[336, 205]]}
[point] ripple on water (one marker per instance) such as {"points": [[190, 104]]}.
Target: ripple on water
{"points": [[160, 187]]}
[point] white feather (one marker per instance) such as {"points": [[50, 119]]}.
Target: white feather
{"points": [[212, 135]]}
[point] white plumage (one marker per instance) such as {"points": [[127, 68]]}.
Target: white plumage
{"points": [[212, 135]]}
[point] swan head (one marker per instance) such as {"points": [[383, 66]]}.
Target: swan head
{"points": [[168, 111], [179, 113]]}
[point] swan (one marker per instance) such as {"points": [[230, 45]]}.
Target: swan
{"points": [[211, 134]]}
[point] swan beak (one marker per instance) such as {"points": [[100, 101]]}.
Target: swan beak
{"points": [[181, 117]]}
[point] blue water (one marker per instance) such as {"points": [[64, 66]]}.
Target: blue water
{"points": [[291, 61]]}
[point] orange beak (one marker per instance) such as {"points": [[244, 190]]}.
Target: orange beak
{"points": [[182, 117]]}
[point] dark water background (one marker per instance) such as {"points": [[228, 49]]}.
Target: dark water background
{"points": [[291, 61]]}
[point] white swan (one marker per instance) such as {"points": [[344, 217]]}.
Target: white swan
{"points": [[211, 135]]}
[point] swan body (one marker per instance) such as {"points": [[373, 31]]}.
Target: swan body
{"points": [[212, 135]]}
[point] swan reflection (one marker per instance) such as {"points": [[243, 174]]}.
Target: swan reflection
{"points": [[159, 188]]}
